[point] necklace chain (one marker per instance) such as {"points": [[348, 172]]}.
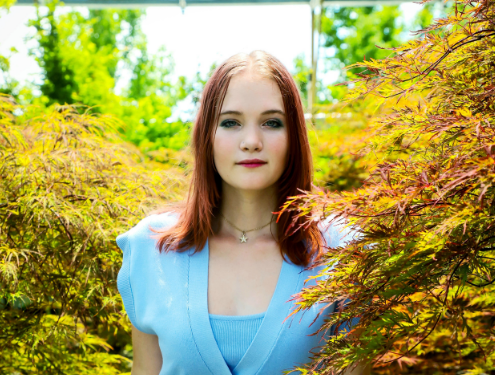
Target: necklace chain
{"points": [[243, 238]]}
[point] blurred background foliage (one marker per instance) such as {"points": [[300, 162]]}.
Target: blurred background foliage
{"points": [[84, 158]]}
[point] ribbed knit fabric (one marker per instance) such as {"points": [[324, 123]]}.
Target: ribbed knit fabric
{"points": [[234, 334], [166, 294]]}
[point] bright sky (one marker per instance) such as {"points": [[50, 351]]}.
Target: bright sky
{"points": [[197, 38]]}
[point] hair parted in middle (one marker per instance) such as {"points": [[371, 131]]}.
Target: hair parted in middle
{"points": [[194, 224]]}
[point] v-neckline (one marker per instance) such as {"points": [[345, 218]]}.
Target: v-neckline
{"points": [[288, 280]]}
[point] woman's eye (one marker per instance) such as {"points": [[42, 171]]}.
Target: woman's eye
{"points": [[228, 123], [274, 123], [271, 123]]}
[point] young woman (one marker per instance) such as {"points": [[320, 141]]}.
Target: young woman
{"points": [[210, 292]]}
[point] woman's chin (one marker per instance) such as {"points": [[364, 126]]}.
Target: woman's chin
{"points": [[250, 186]]}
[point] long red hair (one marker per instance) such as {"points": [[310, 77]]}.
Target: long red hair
{"points": [[301, 245]]}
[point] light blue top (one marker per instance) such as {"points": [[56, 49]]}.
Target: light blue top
{"points": [[234, 334], [165, 294]]}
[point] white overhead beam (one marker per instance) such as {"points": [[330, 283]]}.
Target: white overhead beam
{"points": [[133, 4]]}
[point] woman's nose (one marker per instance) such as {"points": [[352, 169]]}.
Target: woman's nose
{"points": [[251, 139]]}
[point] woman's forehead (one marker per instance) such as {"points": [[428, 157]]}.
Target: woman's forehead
{"points": [[244, 93]]}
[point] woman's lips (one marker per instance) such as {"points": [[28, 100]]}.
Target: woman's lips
{"points": [[252, 165]]}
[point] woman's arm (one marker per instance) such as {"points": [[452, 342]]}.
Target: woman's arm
{"points": [[147, 354]]}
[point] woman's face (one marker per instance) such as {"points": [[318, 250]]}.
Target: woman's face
{"points": [[252, 125]]}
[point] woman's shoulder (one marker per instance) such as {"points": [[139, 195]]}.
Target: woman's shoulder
{"points": [[156, 221], [143, 268], [337, 231], [142, 231]]}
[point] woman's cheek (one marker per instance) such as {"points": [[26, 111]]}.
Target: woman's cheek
{"points": [[224, 149], [279, 148]]}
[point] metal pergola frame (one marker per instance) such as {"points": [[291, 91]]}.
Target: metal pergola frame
{"points": [[316, 8]]}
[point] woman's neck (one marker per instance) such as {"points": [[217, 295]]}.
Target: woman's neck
{"points": [[247, 209]]}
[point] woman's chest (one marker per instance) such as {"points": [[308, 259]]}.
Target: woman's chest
{"points": [[242, 280], [173, 304]]}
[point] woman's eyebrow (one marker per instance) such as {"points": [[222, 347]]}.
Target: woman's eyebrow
{"points": [[268, 112]]}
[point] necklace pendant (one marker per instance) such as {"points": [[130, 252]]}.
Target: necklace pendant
{"points": [[243, 238]]}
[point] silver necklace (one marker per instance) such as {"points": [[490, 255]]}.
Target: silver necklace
{"points": [[243, 237]]}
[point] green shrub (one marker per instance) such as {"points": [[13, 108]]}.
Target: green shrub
{"points": [[68, 187], [421, 275]]}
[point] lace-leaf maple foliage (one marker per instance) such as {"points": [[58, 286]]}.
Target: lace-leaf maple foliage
{"points": [[421, 272], [68, 186]]}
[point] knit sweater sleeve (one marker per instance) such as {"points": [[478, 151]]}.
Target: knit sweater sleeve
{"points": [[137, 250], [123, 278]]}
